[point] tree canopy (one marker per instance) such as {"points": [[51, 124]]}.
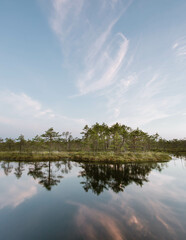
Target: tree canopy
{"points": [[98, 137]]}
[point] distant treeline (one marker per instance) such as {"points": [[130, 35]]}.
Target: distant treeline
{"points": [[97, 138]]}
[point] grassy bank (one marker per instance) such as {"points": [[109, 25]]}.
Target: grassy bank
{"points": [[87, 156]]}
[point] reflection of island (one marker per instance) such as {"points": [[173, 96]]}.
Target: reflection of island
{"points": [[181, 155], [19, 170], [48, 174], [7, 167], [98, 177]]}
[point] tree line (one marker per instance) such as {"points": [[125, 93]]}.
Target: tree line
{"points": [[96, 138]]}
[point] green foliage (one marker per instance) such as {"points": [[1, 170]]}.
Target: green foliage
{"points": [[21, 141], [50, 135], [117, 138]]}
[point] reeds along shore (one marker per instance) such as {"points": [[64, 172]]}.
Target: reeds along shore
{"points": [[87, 157]]}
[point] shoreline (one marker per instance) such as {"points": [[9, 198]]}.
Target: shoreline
{"points": [[98, 157]]}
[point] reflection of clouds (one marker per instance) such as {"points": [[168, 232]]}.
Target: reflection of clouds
{"points": [[110, 222], [13, 191], [164, 223], [166, 218], [15, 195], [161, 179], [150, 212], [154, 209], [134, 221], [163, 186], [95, 224]]}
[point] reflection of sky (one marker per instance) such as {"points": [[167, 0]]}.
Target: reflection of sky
{"points": [[13, 191], [155, 211]]}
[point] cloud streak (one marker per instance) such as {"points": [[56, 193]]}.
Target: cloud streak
{"points": [[99, 53], [62, 10], [106, 75], [179, 47], [139, 99]]}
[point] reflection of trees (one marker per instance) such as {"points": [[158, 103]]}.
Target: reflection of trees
{"points": [[66, 167], [115, 176], [181, 155], [19, 169], [49, 173], [48, 177], [96, 177], [35, 170], [7, 167]]}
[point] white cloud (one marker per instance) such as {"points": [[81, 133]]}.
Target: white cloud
{"points": [[93, 52], [88, 44], [22, 114], [117, 95], [139, 105], [105, 68], [22, 104], [180, 48], [175, 45], [62, 10]]}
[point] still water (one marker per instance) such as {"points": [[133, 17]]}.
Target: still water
{"points": [[68, 200]]}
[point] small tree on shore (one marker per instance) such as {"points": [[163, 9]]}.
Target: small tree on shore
{"points": [[50, 136], [9, 142], [21, 141]]}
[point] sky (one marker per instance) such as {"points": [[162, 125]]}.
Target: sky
{"points": [[68, 63]]}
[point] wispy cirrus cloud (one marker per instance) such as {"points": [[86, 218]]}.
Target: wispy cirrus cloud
{"points": [[105, 69], [64, 16], [99, 55], [139, 105], [89, 44], [180, 48], [116, 96]]}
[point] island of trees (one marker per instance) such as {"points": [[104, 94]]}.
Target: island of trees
{"points": [[98, 142]]}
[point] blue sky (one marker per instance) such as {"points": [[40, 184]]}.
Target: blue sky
{"points": [[67, 63]]}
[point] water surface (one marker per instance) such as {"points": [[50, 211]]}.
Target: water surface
{"points": [[68, 200]]}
